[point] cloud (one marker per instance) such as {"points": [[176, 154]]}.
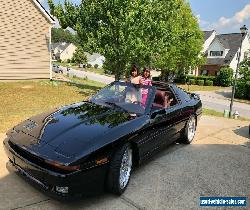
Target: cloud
{"points": [[228, 23], [238, 18]]}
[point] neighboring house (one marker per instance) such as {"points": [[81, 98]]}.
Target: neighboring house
{"points": [[208, 38], [62, 51], [25, 28], [224, 51], [94, 59]]}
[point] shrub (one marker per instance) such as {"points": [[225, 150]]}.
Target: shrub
{"points": [[89, 65], [182, 79], [242, 90], [192, 81], [225, 77], [200, 82], [209, 83], [96, 66]]}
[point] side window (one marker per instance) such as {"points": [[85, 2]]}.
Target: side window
{"points": [[164, 99]]}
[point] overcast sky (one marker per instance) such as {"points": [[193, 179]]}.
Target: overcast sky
{"points": [[224, 16]]}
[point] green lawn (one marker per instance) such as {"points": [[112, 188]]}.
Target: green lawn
{"points": [[20, 100], [211, 112]]}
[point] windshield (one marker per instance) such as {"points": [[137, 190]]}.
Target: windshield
{"points": [[127, 96]]}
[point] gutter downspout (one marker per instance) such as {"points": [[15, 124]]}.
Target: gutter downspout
{"points": [[50, 58]]}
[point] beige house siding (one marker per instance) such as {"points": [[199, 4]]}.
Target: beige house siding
{"points": [[24, 41]]}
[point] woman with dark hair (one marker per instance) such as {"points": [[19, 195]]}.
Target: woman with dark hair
{"points": [[145, 80], [134, 95], [134, 75]]}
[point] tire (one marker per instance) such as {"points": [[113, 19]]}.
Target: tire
{"points": [[120, 170], [189, 131]]}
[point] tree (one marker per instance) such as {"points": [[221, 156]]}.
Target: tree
{"points": [[79, 56], [60, 35], [243, 82], [146, 32], [244, 70]]}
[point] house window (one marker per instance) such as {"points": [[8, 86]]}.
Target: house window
{"points": [[204, 72], [216, 53]]}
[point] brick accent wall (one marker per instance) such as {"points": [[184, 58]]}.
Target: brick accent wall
{"points": [[211, 69]]}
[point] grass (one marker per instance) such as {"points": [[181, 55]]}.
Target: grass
{"points": [[214, 113], [192, 88], [20, 100]]}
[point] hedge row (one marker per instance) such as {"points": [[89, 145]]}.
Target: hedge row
{"points": [[196, 80]]}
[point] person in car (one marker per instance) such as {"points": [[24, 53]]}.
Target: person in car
{"points": [[145, 80], [135, 77], [133, 95]]}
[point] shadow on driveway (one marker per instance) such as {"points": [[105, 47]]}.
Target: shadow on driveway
{"points": [[175, 178], [243, 131]]}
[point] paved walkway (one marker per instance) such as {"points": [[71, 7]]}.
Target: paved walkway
{"points": [[216, 164]]}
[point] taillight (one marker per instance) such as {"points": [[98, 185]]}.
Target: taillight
{"points": [[63, 167]]}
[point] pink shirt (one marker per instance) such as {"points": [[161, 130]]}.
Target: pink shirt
{"points": [[146, 81]]}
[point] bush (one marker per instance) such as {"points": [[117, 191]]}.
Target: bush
{"points": [[209, 83], [225, 77], [180, 79], [200, 82], [89, 65], [192, 81], [242, 90], [96, 66]]}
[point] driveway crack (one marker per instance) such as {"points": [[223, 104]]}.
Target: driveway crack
{"points": [[132, 203], [20, 207]]}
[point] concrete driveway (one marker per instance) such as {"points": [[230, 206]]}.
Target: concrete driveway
{"points": [[216, 164]]}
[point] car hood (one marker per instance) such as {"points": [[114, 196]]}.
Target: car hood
{"points": [[71, 129]]}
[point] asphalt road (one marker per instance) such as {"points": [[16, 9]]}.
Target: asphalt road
{"points": [[90, 75], [220, 100], [216, 164]]}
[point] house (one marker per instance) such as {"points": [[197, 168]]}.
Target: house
{"points": [[95, 59], [62, 51], [224, 51], [25, 30], [208, 38]]}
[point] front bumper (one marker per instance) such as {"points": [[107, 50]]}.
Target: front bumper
{"points": [[85, 182]]}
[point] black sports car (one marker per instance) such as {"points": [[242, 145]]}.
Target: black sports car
{"points": [[90, 146]]}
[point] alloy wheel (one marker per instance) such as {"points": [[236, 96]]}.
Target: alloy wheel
{"points": [[125, 168]]}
